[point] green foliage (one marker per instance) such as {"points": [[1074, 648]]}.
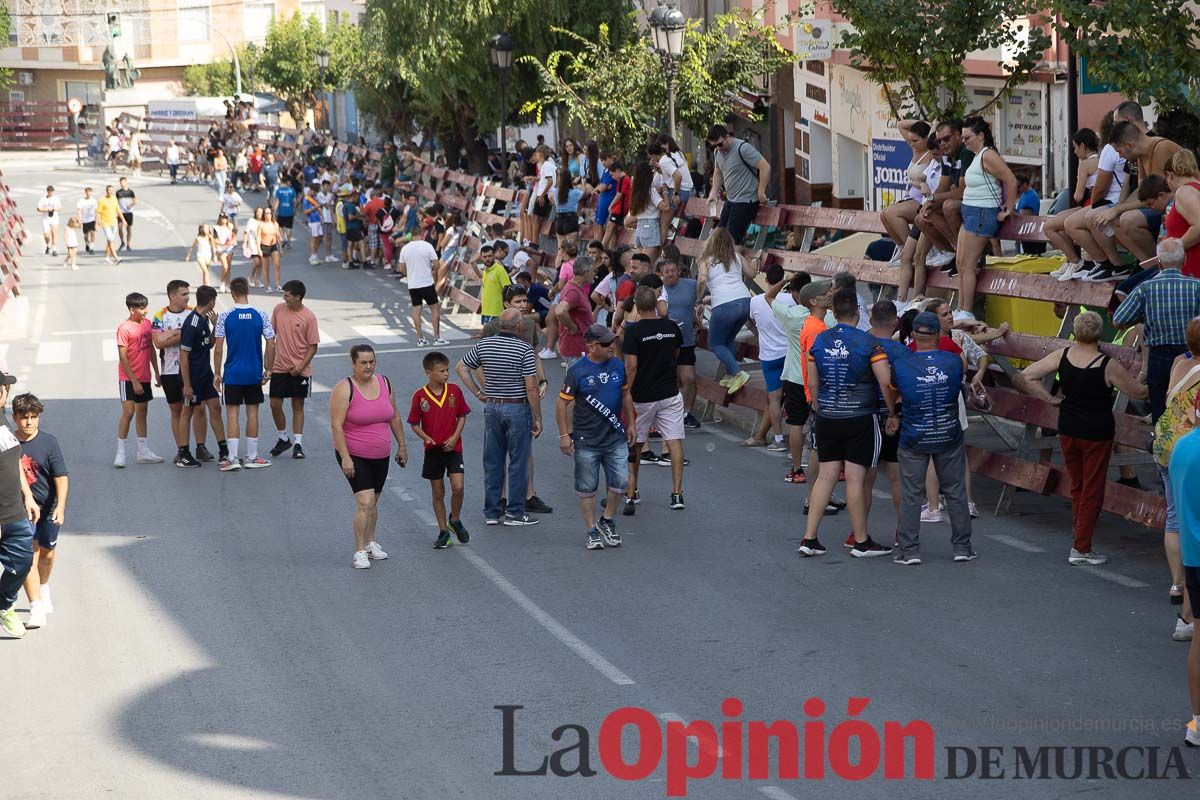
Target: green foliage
{"points": [[916, 49], [1145, 51], [615, 87], [219, 79], [5, 29], [289, 63]]}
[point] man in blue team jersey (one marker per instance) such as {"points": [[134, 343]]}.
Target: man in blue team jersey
{"points": [[284, 207], [244, 327], [196, 373], [929, 382], [884, 324], [847, 369]]}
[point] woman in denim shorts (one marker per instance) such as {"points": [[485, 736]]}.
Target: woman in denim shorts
{"points": [[988, 199], [645, 206]]}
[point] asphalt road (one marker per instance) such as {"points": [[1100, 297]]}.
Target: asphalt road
{"points": [[210, 639]]}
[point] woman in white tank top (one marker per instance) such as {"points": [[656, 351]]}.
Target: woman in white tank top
{"points": [[898, 218], [1086, 145], [989, 196]]}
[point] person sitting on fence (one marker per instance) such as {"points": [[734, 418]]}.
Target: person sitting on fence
{"points": [[989, 197], [924, 175], [1086, 145], [940, 218]]}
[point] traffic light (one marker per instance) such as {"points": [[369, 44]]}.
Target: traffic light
{"points": [[114, 25]]}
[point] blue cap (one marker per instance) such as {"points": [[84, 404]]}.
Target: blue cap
{"points": [[927, 322]]}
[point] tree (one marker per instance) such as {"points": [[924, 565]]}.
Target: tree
{"points": [[616, 90], [5, 30], [917, 49], [1146, 51], [219, 79], [289, 63]]}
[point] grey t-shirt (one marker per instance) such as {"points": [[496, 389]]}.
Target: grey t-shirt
{"points": [[681, 307], [738, 171]]}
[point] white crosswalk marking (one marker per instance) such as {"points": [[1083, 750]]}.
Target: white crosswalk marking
{"points": [[108, 350], [327, 339], [49, 353], [379, 334]]}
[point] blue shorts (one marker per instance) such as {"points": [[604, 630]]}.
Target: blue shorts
{"points": [[1129, 284], [46, 532], [1153, 219], [982, 222], [588, 463], [773, 373]]}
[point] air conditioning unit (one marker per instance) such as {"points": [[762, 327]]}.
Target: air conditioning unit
{"points": [[25, 79]]}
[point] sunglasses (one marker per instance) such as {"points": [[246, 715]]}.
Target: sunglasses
{"points": [[945, 139]]}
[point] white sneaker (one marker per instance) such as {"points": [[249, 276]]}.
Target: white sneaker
{"points": [[314, 260], [930, 516], [973, 510], [546, 354], [895, 259], [149, 457], [1077, 558], [332, 259], [375, 552], [441, 341], [361, 560], [119, 461], [937, 258], [1183, 630], [47, 603], [1067, 272], [37, 615]]}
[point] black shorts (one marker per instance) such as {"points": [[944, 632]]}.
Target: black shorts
{"points": [[914, 233], [172, 386], [127, 393], [1191, 579], [251, 395], [852, 439], [89, 227], [426, 295], [269, 249], [285, 384], [566, 223], [616, 219], [687, 356], [203, 391], [795, 404], [128, 215], [354, 236], [285, 222], [369, 473], [889, 447], [439, 463]]}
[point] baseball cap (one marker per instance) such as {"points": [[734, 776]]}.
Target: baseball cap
{"points": [[345, 188], [6, 379], [814, 290], [598, 333], [927, 323]]}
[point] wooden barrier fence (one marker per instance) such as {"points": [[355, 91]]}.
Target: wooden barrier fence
{"points": [[12, 235]]}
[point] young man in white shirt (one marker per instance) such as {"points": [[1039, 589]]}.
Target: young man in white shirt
{"points": [[420, 260], [48, 207], [86, 209], [173, 160], [326, 199]]}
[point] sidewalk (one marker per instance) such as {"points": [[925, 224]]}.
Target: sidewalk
{"points": [[21, 161]]}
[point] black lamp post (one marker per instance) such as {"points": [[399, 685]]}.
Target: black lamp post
{"points": [[667, 26], [322, 68], [502, 50]]}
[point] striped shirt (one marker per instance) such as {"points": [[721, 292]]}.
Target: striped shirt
{"points": [[506, 361], [1166, 303]]}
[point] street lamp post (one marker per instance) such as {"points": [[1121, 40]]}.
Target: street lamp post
{"points": [[667, 26], [502, 50], [322, 68]]}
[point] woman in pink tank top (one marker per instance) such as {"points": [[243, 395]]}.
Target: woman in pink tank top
{"points": [[363, 415]]}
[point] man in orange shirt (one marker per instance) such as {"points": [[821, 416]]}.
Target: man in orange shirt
{"points": [[817, 298], [296, 339]]}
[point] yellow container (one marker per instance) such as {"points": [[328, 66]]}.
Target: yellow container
{"points": [[1024, 316]]}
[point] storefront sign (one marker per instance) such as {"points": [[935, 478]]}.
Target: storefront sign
{"points": [[851, 104], [889, 171], [814, 39], [1023, 124]]}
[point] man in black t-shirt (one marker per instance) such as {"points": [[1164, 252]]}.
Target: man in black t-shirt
{"points": [[651, 348], [126, 199], [196, 374]]}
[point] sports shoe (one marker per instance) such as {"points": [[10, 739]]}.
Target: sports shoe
{"points": [[516, 522], [1120, 274], [1098, 275], [37, 616], [360, 560], [119, 461], [314, 260], [811, 547], [1077, 558], [973, 510], [491, 521], [332, 259], [970, 555], [594, 540], [738, 381], [777, 447], [202, 454], [795, 476], [255, 463], [1183, 630], [677, 501], [837, 503], [229, 465], [149, 457], [725, 381], [869, 548], [831, 508], [630, 508], [906, 561], [648, 457], [185, 460], [375, 552], [1067, 271], [690, 421], [441, 341], [280, 448], [1192, 736], [850, 542], [608, 529], [422, 343], [298, 451], [546, 354], [460, 530], [270, 290], [894, 261], [537, 505], [11, 625], [442, 541], [938, 258], [665, 460], [930, 516]]}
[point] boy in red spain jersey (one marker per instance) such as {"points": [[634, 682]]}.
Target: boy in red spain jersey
{"points": [[437, 415]]}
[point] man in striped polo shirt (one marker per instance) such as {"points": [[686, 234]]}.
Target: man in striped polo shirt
{"points": [[512, 415]]}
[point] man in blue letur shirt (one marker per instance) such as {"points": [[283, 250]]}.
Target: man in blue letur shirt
{"points": [[243, 329], [929, 382], [847, 369], [284, 207]]}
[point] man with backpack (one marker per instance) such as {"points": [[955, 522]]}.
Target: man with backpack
{"points": [[743, 174]]}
